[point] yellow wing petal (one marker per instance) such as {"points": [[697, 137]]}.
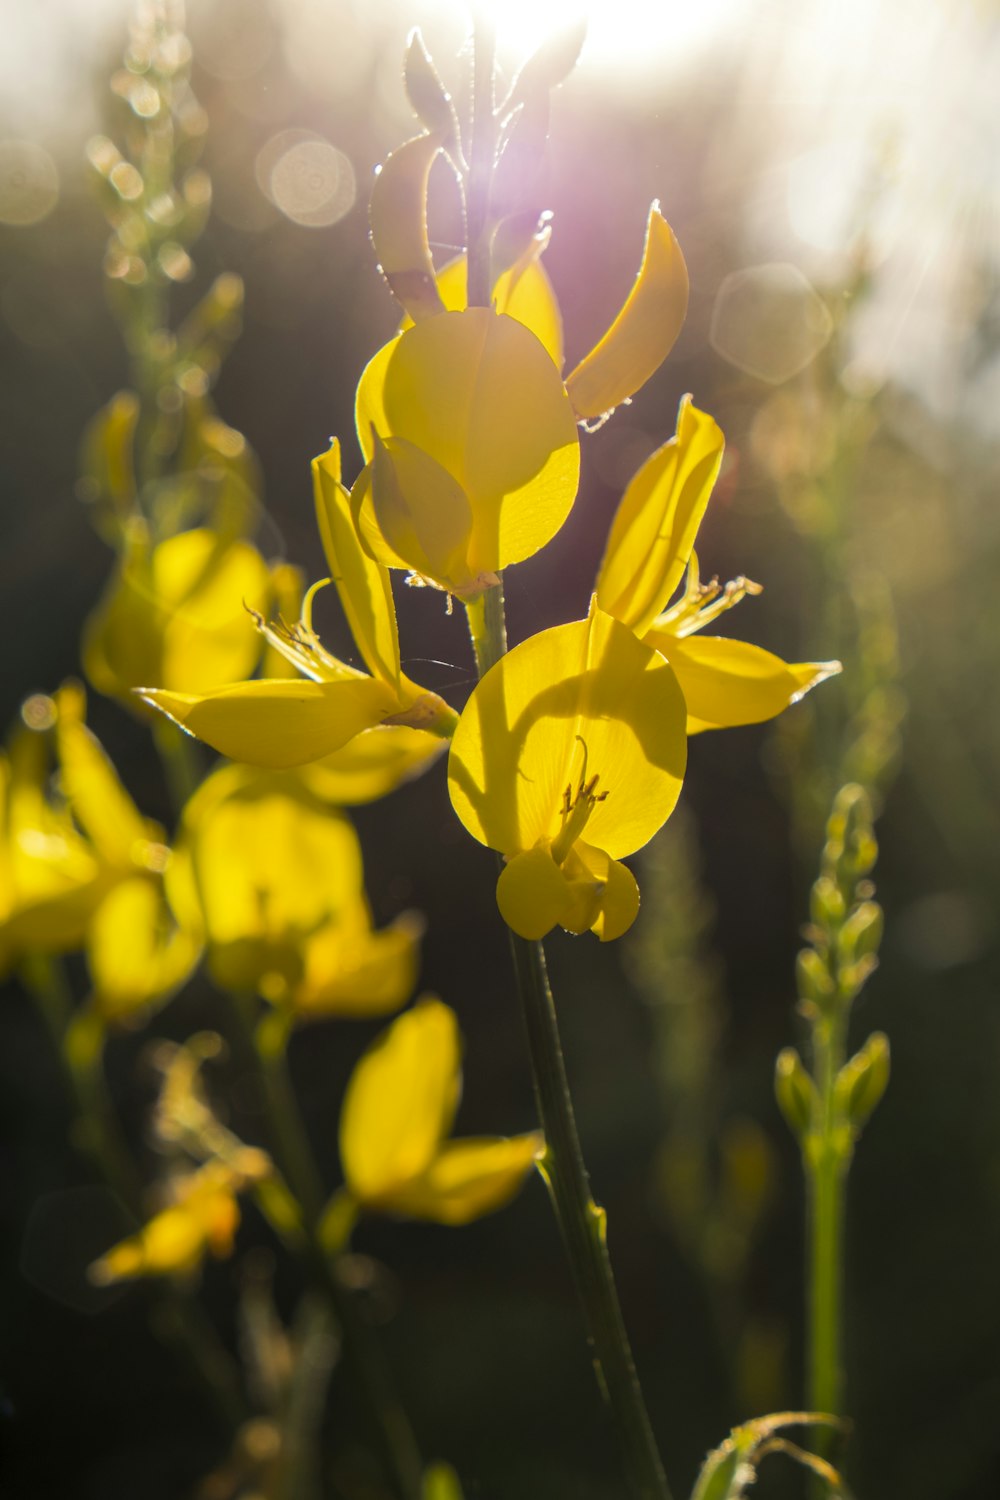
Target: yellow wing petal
{"points": [[653, 532], [469, 1178], [279, 722], [569, 703], [643, 333], [362, 583], [400, 1102], [728, 682], [422, 512], [533, 893]]}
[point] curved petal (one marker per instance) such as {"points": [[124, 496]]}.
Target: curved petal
{"points": [[469, 1178], [477, 392], [355, 973], [643, 333], [100, 803], [576, 701], [279, 722], [398, 214], [619, 905], [135, 953], [400, 1102], [362, 583], [523, 292], [728, 682], [422, 512], [533, 893], [653, 532], [373, 764]]}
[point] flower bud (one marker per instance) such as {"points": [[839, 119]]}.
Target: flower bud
{"points": [[862, 1081], [795, 1092]]}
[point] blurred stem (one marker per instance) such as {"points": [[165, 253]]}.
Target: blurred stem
{"points": [[826, 1173], [582, 1223], [78, 1039], [268, 1039], [481, 154]]}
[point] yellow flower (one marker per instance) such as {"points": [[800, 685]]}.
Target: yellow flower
{"points": [[650, 545], [290, 721], [174, 614], [467, 431], [569, 755], [273, 877], [398, 1110], [203, 1219], [84, 870]]}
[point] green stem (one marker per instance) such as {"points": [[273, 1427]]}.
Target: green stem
{"points": [[269, 1040], [826, 1171], [481, 154], [584, 1227], [78, 1040], [581, 1221]]}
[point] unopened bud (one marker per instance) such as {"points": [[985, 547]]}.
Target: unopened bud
{"points": [[826, 903], [862, 1081], [814, 982], [861, 934], [795, 1092]]}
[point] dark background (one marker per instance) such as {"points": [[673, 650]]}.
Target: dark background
{"points": [[481, 1324]]}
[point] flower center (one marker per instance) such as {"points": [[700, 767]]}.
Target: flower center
{"points": [[576, 811]]}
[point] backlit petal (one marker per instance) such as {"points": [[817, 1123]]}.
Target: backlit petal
{"points": [[469, 1178], [100, 803], [399, 224], [136, 954], [532, 893], [643, 333], [653, 532], [358, 973], [422, 512], [373, 764], [279, 722], [728, 682], [400, 1102], [477, 392], [586, 698], [363, 584]]}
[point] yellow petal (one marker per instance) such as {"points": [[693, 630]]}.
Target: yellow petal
{"points": [[399, 224], [400, 1103], [173, 1243], [469, 1178], [177, 617], [533, 893], [728, 682], [422, 512], [619, 900], [643, 333], [587, 698], [523, 292], [373, 764], [363, 584], [279, 722], [265, 863], [653, 532], [351, 971], [135, 953], [100, 803], [477, 392]]}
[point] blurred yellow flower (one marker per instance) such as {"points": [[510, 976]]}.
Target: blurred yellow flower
{"points": [[569, 755], [83, 869], [290, 721], [175, 613], [202, 1220], [650, 545], [398, 1110], [272, 875]]}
